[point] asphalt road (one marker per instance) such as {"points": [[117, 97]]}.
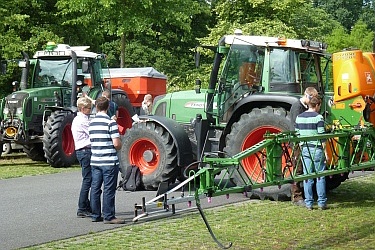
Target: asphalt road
{"points": [[40, 209]]}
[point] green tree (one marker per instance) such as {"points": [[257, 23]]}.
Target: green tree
{"points": [[138, 33], [347, 12], [359, 37], [368, 14]]}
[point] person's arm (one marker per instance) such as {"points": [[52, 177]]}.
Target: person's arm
{"points": [[115, 108], [117, 143], [84, 94], [116, 140], [114, 117]]}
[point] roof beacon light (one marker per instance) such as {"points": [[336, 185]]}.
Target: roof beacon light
{"points": [[51, 46], [281, 41]]}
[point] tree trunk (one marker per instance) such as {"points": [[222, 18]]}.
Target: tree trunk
{"points": [[122, 55]]}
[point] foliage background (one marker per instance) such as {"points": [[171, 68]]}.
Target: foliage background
{"points": [[164, 33]]}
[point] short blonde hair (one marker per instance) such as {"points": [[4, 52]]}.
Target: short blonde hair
{"points": [[311, 92], [83, 102]]}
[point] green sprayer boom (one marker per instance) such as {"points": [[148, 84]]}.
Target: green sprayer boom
{"points": [[349, 148]]}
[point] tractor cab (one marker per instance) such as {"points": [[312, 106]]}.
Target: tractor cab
{"points": [[258, 65]]}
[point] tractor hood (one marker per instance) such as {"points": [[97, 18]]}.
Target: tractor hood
{"points": [[186, 105], [33, 101]]}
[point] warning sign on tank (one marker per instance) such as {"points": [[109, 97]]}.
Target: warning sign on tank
{"points": [[368, 78]]}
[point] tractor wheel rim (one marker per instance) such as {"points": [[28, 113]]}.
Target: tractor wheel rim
{"points": [[251, 164], [144, 154], [67, 140]]}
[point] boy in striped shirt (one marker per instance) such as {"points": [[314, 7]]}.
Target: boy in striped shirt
{"points": [[314, 155]]}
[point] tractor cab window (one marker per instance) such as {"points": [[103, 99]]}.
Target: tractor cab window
{"points": [[241, 74], [53, 73], [243, 65], [283, 71], [308, 74], [281, 64]]}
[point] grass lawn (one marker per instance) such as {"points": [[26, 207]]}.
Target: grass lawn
{"points": [[349, 223], [17, 165]]}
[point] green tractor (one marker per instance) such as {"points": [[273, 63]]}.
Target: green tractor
{"points": [[39, 114], [253, 83]]}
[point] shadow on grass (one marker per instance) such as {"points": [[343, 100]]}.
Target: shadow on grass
{"points": [[355, 238], [358, 192]]}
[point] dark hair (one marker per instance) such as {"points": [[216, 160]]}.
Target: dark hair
{"points": [[102, 103], [315, 101]]}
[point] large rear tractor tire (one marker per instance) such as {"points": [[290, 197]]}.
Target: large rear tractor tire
{"points": [[58, 140], [247, 132], [34, 151], [150, 147], [126, 111]]}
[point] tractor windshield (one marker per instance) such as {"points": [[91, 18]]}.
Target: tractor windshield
{"points": [[53, 73], [241, 74], [243, 65]]}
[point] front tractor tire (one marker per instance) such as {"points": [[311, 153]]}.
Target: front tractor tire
{"points": [[58, 143], [34, 151], [150, 147], [247, 132]]}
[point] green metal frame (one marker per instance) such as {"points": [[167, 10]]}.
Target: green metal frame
{"points": [[353, 148]]}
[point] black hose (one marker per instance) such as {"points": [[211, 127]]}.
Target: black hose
{"points": [[208, 226]]}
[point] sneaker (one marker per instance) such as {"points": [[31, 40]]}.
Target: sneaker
{"points": [[84, 214], [300, 203], [114, 221], [325, 207], [97, 219], [309, 208]]}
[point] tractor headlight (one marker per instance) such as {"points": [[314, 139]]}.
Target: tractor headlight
{"points": [[6, 111]]}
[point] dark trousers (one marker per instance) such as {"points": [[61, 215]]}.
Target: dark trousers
{"points": [[84, 157], [106, 176]]}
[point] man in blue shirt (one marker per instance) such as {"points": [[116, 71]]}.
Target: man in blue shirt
{"points": [[105, 141], [112, 111]]}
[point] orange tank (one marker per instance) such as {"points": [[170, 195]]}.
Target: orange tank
{"points": [[353, 73], [136, 82]]}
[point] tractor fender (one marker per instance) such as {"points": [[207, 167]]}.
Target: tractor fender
{"points": [[48, 110], [180, 137]]}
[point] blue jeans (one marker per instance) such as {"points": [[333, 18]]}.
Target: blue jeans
{"points": [[84, 157], [106, 175], [314, 161]]}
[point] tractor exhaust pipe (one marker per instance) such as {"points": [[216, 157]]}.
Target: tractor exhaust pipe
{"points": [[25, 71]]}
